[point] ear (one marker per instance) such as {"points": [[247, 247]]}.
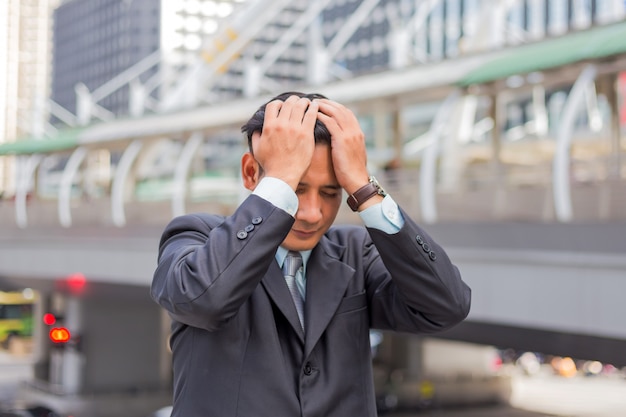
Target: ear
{"points": [[250, 172]]}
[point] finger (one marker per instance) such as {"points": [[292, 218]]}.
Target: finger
{"points": [[299, 109], [287, 107], [310, 116], [331, 106], [328, 121], [339, 113], [272, 109]]}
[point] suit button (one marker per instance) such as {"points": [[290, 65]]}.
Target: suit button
{"points": [[242, 234], [257, 220], [249, 228], [419, 239], [432, 255], [308, 370], [426, 247]]}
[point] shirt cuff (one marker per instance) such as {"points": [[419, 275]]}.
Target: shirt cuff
{"points": [[279, 193], [384, 216]]}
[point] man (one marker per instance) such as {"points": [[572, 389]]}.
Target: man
{"points": [[249, 340]]}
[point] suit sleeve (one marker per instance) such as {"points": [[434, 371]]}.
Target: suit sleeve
{"points": [[209, 266], [412, 284]]}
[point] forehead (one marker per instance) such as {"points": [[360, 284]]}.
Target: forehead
{"points": [[321, 172]]}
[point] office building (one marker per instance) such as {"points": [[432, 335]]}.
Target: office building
{"points": [[24, 73], [97, 40]]}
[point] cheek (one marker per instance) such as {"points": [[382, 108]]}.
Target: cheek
{"points": [[331, 208]]}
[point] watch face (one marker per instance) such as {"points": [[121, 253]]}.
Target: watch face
{"points": [[381, 190]]}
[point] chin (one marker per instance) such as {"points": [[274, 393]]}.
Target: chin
{"points": [[300, 245]]}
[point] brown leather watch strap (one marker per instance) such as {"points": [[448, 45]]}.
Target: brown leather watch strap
{"points": [[361, 195]]}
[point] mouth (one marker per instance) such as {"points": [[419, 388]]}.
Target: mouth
{"points": [[303, 234]]}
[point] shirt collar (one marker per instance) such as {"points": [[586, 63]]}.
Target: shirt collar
{"points": [[281, 254]]}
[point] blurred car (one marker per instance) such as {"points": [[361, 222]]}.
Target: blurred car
{"points": [[564, 366], [161, 412], [29, 412], [529, 363]]}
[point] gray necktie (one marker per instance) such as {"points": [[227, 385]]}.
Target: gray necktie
{"points": [[292, 263]]}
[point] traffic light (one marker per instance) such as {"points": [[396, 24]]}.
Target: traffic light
{"points": [[63, 332], [49, 319], [60, 335], [75, 283]]}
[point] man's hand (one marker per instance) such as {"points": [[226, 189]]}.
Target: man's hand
{"points": [[285, 147], [347, 143]]}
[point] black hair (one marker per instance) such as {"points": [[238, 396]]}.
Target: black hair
{"points": [[255, 124]]}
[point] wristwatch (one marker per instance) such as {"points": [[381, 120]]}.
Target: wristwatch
{"points": [[364, 193]]}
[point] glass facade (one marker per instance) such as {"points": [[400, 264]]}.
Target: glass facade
{"points": [[96, 40], [24, 75]]}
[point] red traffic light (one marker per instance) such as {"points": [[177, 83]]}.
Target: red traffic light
{"points": [[59, 335], [76, 282], [49, 319]]}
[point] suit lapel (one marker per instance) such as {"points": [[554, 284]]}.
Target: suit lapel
{"points": [[327, 278], [276, 287]]}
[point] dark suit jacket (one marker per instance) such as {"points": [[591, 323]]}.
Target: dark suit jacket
{"points": [[238, 348]]}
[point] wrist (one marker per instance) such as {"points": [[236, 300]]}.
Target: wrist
{"points": [[353, 187], [370, 193], [291, 180], [377, 199]]}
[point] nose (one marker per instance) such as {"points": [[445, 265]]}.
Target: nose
{"points": [[309, 208]]}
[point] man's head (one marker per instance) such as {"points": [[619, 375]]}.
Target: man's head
{"points": [[319, 193], [255, 124]]}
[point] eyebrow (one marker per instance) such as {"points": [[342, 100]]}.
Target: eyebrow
{"points": [[331, 186]]}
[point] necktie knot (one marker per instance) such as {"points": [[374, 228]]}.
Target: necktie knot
{"points": [[293, 262]]}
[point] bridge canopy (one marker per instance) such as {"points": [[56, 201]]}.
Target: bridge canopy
{"points": [[63, 140], [592, 44]]}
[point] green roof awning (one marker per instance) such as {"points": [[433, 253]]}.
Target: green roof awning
{"points": [[598, 42], [65, 139]]}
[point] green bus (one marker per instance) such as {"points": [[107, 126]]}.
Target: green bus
{"points": [[16, 316]]}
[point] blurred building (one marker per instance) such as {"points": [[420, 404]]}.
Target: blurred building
{"points": [[109, 51], [507, 175], [24, 72], [96, 41]]}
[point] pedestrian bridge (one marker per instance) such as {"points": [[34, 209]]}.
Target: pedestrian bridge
{"points": [[511, 155], [522, 183], [538, 285]]}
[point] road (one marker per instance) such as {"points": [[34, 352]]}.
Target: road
{"points": [[12, 370], [575, 397], [537, 396], [549, 395]]}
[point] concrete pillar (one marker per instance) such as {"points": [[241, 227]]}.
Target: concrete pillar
{"points": [[252, 80], [399, 48], [84, 106], [318, 67], [608, 86], [72, 366], [137, 98]]}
